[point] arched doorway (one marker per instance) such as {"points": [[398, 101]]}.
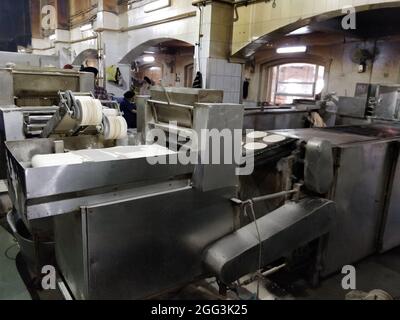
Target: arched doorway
{"points": [[165, 61], [90, 55]]}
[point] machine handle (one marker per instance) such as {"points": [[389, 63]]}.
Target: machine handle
{"points": [[185, 106]]}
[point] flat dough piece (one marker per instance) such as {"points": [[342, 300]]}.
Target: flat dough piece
{"points": [[56, 160], [256, 135], [254, 146], [274, 139]]}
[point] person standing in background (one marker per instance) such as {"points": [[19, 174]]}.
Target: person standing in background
{"points": [[198, 81], [99, 92], [146, 86], [128, 107]]}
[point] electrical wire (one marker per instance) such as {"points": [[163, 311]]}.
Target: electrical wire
{"points": [[250, 204], [7, 252]]}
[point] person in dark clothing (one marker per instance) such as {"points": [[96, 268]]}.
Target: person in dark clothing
{"points": [[128, 107], [149, 81], [198, 81]]}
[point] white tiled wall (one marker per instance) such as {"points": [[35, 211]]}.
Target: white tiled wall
{"points": [[226, 76]]}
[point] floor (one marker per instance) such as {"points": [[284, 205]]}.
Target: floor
{"points": [[12, 286], [379, 272]]}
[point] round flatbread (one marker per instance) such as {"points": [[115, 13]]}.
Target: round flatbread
{"points": [[254, 146], [256, 135], [274, 139]]}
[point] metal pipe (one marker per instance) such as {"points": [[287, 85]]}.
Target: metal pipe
{"points": [[171, 104], [264, 274], [237, 3], [274, 270], [78, 40], [274, 196]]}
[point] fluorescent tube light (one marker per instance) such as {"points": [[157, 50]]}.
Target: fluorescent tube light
{"points": [[297, 49], [149, 59]]}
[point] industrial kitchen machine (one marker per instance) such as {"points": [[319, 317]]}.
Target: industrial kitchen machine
{"points": [[132, 222], [29, 99]]}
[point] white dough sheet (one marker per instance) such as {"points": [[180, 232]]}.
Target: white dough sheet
{"points": [[100, 155]]}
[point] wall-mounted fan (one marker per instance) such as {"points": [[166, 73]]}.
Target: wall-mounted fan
{"points": [[362, 57]]}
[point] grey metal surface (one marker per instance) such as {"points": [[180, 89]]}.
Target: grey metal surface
{"points": [[144, 115], [352, 106], [11, 128], [335, 138], [146, 246], [359, 194], [173, 110], [56, 207], [39, 86], [74, 181], [275, 119], [363, 166], [224, 118], [388, 103], [390, 237], [27, 92], [187, 96], [7, 88], [282, 231], [319, 163]]}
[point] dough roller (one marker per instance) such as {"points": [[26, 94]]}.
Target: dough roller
{"points": [[82, 114]]}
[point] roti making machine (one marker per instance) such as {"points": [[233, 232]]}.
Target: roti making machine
{"points": [[127, 225]]}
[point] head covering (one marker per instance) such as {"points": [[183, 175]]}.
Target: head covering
{"points": [[91, 69], [129, 95], [68, 67]]}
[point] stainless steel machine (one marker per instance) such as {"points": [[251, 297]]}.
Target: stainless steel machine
{"points": [[292, 116], [355, 167], [364, 187], [130, 226], [29, 99], [372, 102]]}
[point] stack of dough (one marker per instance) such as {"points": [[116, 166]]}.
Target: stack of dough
{"points": [[108, 112], [54, 160], [91, 111], [115, 128]]}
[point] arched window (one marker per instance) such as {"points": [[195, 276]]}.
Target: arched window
{"points": [[283, 83]]}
